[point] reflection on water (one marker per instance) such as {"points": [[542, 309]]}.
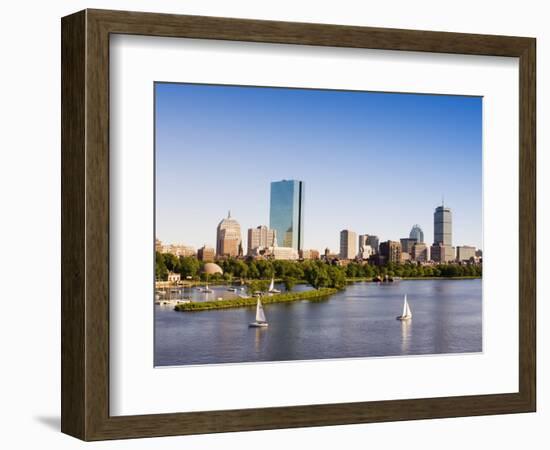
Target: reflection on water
{"points": [[406, 326], [357, 322]]}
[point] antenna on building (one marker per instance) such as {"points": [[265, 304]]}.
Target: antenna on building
{"points": [[443, 200]]}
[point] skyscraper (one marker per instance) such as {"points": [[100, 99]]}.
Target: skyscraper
{"points": [[443, 226], [286, 213], [365, 249], [228, 237], [417, 233], [374, 242], [442, 249], [348, 242], [407, 244]]}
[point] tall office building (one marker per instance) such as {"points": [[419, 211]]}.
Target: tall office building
{"points": [[417, 233], [348, 246], [228, 237], [286, 213], [442, 250], [374, 242], [443, 226], [260, 238], [407, 244], [365, 250]]}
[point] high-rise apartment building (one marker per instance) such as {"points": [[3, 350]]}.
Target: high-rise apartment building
{"points": [[260, 238], [286, 213], [348, 244], [391, 251]]}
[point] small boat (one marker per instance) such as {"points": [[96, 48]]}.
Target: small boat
{"points": [[406, 314], [206, 290], [260, 322], [232, 289], [272, 289]]}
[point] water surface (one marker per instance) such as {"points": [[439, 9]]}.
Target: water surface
{"points": [[357, 322]]}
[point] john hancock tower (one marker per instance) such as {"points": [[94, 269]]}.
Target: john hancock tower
{"points": [[286, 214]]}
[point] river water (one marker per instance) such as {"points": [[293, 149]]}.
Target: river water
{"points": [[359, 321]]}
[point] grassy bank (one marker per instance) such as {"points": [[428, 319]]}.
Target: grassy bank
{"points": [[241, 302]]}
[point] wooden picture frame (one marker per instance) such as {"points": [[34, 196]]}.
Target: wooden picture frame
{"points": [[85, 224]]}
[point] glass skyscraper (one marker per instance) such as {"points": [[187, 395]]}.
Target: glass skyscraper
{"points": [[286, 213]]}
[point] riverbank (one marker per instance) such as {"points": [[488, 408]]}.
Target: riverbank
{"points": [[251, 301], [370, 279]]}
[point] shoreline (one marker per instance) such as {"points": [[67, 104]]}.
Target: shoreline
{"points": [[251, 301], [195, 283]]}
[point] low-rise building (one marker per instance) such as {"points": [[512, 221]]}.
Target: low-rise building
{"points": [[465, 253], [441, 253], [178, 249], [309, 254], [419, 252], [174, 277], [288, 253], [206, 253]]}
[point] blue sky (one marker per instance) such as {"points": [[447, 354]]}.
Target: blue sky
{"points": [[375, 163]]}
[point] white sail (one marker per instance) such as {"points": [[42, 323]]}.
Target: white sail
{"points": [[408, 312], [405, 307], [260, 316], [272, 285]]}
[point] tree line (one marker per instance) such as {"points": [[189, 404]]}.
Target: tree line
{"points": [[317, 273]]}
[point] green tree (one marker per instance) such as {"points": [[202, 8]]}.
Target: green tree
{"points": [[289, 283], [258, 286], [161, 272], [189, 266]]}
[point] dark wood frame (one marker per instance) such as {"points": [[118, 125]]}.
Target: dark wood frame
{"points": [[85, 224]]}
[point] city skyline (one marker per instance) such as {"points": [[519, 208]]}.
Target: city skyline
{"points": [[352, 184]]}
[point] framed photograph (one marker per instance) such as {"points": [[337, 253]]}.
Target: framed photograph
{"points": [[273, 225]]}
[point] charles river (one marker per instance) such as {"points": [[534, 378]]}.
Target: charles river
{"points": [[359, 321]]}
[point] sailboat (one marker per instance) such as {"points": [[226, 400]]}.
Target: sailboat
{"points": [[272, 289], [206, 290], [406, 314], [260, 317]]}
